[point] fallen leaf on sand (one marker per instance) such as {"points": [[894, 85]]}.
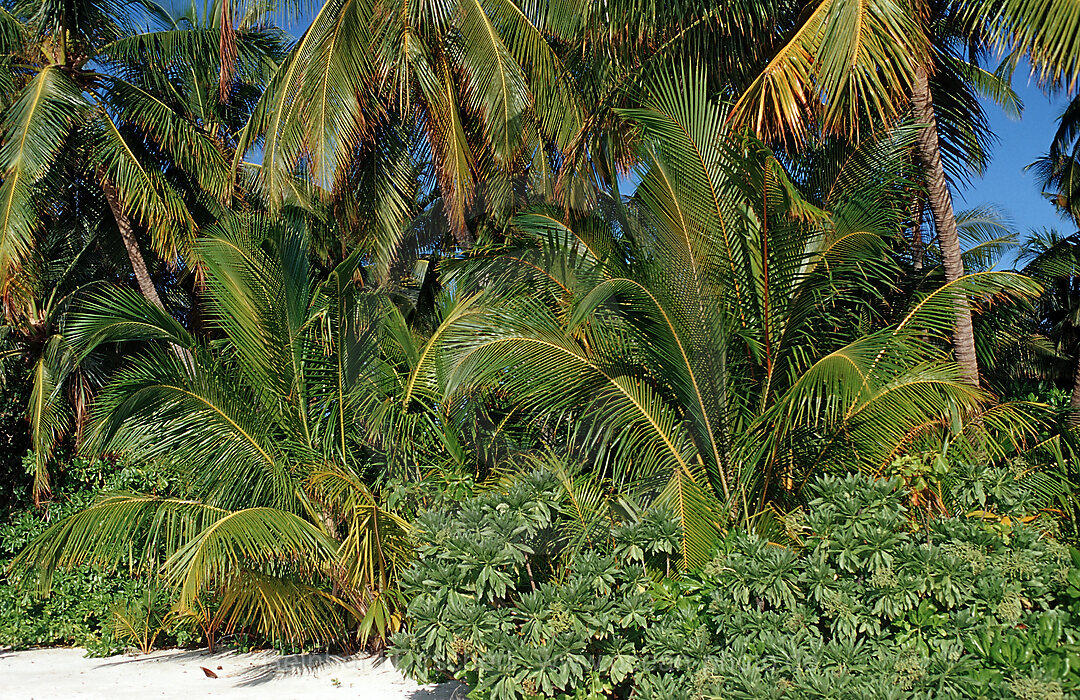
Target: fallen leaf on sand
{"points": [[208, 672]]}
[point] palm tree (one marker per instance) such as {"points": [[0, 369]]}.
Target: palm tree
{"points": [[1044, 31], [312, 397], [823, 68], [710, 339], [97, 114], [1049, 347], [1059, 170], [66, 115], [476, 80], [125, 127], [929, 54], [62, 383], [928, 150]]}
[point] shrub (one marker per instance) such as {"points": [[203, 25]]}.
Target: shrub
{"points": [[82, 606], [870, 603]]}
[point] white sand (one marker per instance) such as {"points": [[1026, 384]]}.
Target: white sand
{"points": [[66, 674]]}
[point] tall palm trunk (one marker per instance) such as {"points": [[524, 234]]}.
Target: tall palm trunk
{"points": [[917, 243], [131, 245], [928, 151], [138, 263]]}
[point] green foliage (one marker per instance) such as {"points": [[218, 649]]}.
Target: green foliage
{"points": [[278, 433], [141, 619], [81, 607], [720, 328], [78, 612], [502, 599], [870, 603], [755, 314], [14, 442]]}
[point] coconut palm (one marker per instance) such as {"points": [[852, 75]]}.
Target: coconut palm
{"points": [[828, 67], [1059, 170], [475, 78], [1044, 31], [1045, 342], [138, 145], [955, 64], [715, 338], [313, 398], [98, 115], [62, 383], [931, 59]]}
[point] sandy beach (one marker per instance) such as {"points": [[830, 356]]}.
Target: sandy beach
{"points": [[66, 674]]}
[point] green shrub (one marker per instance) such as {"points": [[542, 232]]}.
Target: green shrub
{"points": [[81, 607], [78, 612], [870, 604]]}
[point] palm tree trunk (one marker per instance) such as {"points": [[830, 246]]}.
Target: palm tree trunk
{"points": [[131, 245], [928, 150], [917, 243], [138, 263]]}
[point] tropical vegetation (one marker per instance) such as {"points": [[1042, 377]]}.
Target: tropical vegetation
{"points": [[561, 600], [619, 349]]}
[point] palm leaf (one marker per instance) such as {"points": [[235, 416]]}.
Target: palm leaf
{"points": [[845, 62], [252, 537], [35, 127]]}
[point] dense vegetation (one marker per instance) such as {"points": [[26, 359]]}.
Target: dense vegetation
{"points": [[524, 593], [87, 607], [630, 348]]}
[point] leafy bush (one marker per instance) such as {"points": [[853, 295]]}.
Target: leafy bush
{"points": [[81, 608], [870, 603], [496, 605], [78, 611]]}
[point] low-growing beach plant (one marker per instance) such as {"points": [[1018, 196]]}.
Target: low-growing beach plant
{"points": [[864, 601], [140, 621]]}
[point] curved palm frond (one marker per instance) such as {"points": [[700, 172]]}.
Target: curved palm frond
{"points": [[846, 61], [35, 127]]}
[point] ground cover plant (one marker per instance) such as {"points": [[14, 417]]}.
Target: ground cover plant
{"points": [[510, 594], [85, 604]]}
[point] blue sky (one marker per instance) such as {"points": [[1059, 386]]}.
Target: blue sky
{"points": [[1005, 183]]}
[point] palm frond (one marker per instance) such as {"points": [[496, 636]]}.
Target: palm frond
{"points": [[844, 63], [35, 127]]}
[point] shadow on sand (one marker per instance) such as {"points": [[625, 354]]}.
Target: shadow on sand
{"points": [[268, 666], [275, 667]]}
